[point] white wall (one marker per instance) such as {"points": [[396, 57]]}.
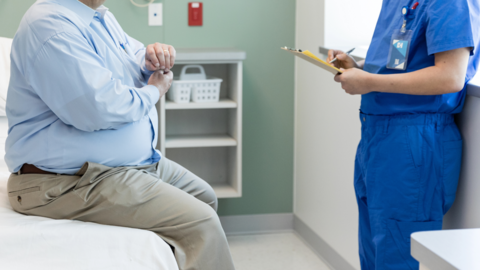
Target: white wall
{"points": [[327, 128], [464, 212], [350, 22]]}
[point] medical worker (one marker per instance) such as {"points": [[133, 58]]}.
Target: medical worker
{"points": [[412, 83]]}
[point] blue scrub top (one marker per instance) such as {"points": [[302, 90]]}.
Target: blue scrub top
{"points": [[437, 26]]}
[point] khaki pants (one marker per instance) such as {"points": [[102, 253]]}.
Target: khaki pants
{"points": [[164, 198]]}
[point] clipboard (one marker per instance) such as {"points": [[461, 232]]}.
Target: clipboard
{"points": [[310, 57]]}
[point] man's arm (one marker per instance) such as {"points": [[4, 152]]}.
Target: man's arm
{"points": [[71, 79], [446, 76], [154, 57]]}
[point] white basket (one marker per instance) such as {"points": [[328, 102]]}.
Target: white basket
{"points": [[179, 93], [195, 85]]}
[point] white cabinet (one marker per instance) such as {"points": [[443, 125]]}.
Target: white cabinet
{"points": [[206, 138], [447, 249]]}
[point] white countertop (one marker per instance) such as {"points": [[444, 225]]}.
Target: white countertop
{"points": [[187, 55], [359, 53], [448, 249], [474, 86]]}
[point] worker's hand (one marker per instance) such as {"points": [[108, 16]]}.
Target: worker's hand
{"points": [[344, 60], [160, 57], [161, 81], [354, 81]]}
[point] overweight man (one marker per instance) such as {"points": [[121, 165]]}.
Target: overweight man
{"points": [[83, 131]]}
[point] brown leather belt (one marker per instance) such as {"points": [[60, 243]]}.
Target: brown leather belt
{"points": [[28, 169]]}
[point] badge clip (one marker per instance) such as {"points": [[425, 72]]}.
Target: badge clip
{"points": [[405, 12]]}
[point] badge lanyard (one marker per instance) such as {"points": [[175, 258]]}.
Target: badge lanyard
{"points": [[400, 43]]}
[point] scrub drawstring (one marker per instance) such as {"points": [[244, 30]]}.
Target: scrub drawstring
{"points": [[437, 125]]}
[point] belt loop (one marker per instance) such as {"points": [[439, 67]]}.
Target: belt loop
{"points": [[387, 124]]}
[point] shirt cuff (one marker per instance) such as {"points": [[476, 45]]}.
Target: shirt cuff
{"points": [[151, 92], [146, 73]]}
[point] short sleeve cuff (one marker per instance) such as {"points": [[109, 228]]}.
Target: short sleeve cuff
{"points": [[444, 47]]}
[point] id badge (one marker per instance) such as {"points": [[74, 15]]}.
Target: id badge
{"points": [[399, 48]]}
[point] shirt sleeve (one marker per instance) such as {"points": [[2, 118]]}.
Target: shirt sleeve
{"points": [[139, 51], [72, 80], [449, 26]]}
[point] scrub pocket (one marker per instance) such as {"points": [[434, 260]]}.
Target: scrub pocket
{"points": [[397, 244], [452, 162]]}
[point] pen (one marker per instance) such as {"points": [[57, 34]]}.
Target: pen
{"points": [[292, 49], [123, 47], [347, 53]]}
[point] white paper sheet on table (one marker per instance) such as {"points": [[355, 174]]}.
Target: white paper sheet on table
{"points": [[5, 47], [28, 242]]}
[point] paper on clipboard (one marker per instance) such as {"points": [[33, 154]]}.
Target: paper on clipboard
{"points": [[310, 57]]}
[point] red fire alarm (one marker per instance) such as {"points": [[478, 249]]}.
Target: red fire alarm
{"points": [[195, 14]]}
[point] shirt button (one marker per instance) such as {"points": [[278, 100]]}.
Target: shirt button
{"points": [[364, 119]]}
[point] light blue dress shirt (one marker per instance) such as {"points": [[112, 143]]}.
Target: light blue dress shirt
{"points": [[76, 94]]}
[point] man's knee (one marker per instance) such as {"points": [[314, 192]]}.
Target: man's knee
{"points": [[210, 198], [212, 224], [203, 220], [204, 192]]}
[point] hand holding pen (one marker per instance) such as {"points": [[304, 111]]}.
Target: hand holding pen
{"points": [[339, 59]]}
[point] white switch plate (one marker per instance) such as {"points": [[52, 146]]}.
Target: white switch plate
{"points": [[155, 14]]}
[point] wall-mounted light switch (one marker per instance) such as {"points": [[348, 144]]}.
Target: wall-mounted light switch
{"points": [[155, 14]]}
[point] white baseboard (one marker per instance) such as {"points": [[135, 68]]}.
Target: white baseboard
{"points": [[322, 248], [255, 224], [274, 223]]}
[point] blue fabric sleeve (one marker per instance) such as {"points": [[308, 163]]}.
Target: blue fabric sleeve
{"points": [[449, 26], [71, 79]]}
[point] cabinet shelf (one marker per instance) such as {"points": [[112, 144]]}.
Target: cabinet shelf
{"points": [[206, 138], [225, 191], [190, 141], [222, 104]]}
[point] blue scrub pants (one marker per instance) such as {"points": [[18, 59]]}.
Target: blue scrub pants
{"points": [[406, 174]]}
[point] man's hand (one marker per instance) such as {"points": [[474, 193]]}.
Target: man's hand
{"points": [[160, 57], [344, 60], [161, 81], [354, 81]]}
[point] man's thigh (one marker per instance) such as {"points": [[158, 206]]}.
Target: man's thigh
{"points": [[126, 197], [178, 176]]}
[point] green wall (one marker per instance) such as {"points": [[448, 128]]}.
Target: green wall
{"points": [[259, 27]]}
